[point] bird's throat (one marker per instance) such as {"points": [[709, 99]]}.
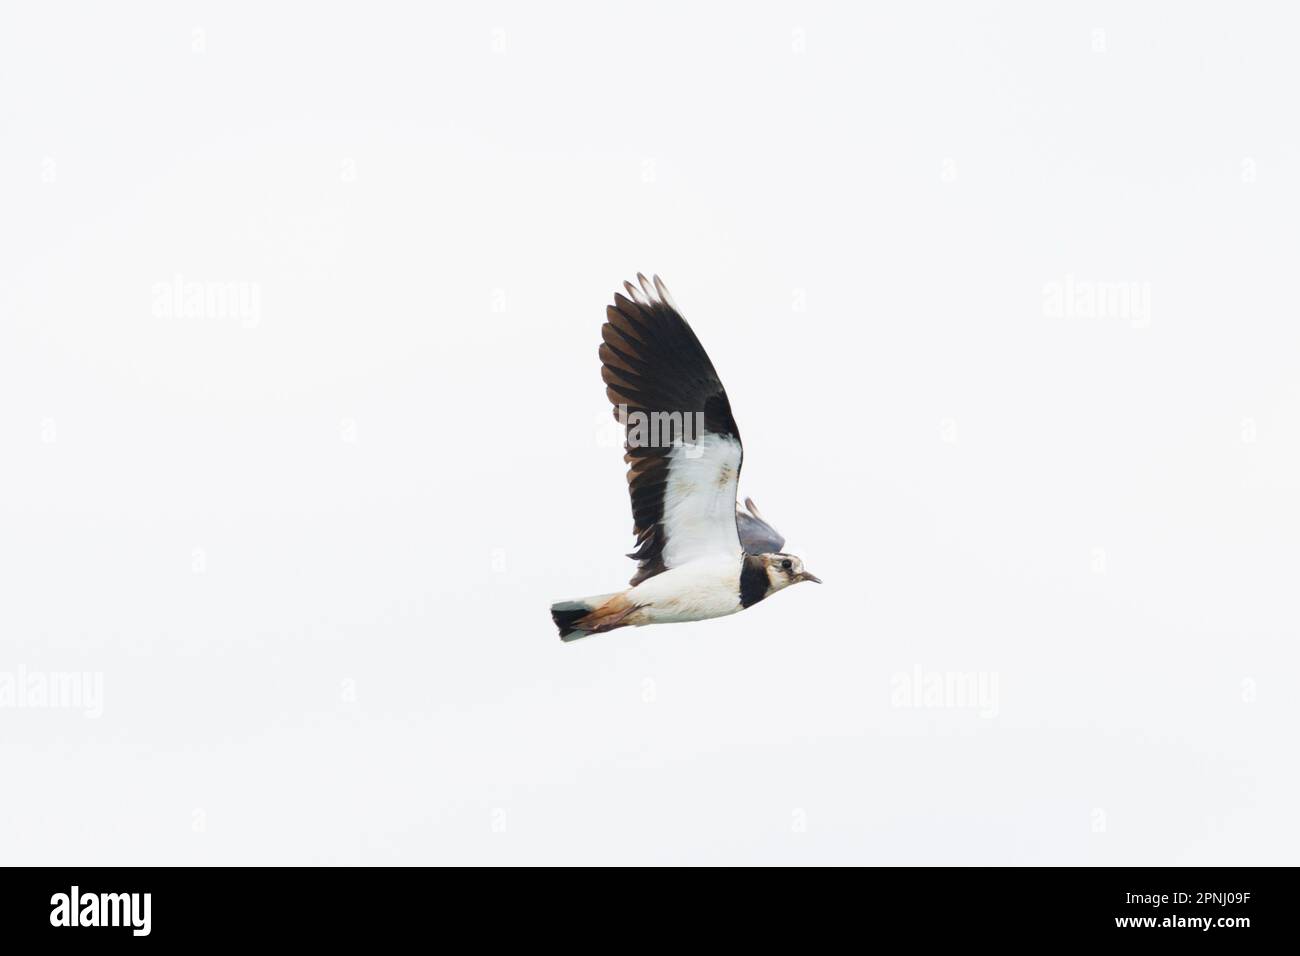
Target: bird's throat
{"points": [[753, 580]]}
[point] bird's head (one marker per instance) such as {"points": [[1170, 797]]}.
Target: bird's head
{"points": [[784, 570]]}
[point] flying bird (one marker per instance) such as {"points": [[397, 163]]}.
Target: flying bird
{"points": [[698, 554]]}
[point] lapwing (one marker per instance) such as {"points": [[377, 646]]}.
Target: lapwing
{"points": [[698, 554]]}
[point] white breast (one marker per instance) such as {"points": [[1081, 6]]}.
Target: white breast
{"points": [[709, 587]]}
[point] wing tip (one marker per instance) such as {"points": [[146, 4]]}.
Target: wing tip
{"points": [[664, 295], [646, 293]]}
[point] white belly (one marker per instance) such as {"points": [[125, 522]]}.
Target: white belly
{"points": [[708, 587]]}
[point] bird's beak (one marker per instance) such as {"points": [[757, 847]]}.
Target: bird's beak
{"points": [[808, 576]]}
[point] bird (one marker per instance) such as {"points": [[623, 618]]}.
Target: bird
{"points": [[698, 554]]}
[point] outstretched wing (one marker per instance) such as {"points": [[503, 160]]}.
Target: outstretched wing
{"points": [[756, 535], [681, 444]]}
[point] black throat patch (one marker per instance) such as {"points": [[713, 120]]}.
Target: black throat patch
{"points": [[753, 581]]}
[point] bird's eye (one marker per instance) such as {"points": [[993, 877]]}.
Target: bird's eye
{"points": [[786, 565]]}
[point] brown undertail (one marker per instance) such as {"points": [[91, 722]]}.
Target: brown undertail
{"points": [[594, 615]]}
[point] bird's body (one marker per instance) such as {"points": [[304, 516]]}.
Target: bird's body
{"points": [[699, 556], [704, 588]]}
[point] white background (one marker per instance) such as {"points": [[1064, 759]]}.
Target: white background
{"points": [[310, 554]]}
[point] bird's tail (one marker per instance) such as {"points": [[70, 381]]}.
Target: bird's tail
{"points": [[591, 615]]}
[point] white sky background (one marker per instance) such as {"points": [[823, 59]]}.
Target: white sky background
{"points": [[393, 468]]}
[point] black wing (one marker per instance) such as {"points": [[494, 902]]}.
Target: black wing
{"points": [[682, 446]]}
